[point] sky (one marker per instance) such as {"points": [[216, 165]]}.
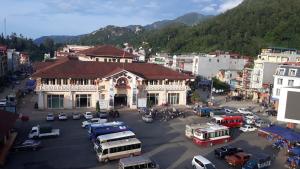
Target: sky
{"points": [[35, 18]]}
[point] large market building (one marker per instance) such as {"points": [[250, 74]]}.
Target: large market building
{"points": [[70, 83]]}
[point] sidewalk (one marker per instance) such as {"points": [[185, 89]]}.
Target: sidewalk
{"points": [[5, 149]]}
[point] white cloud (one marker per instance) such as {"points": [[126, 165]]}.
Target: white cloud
{"points": [[228, 4]]}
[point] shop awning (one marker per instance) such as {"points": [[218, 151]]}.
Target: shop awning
{"points": [[285, 133]]}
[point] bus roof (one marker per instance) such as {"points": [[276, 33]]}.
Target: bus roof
{"points": [[115, 135], [134, 160], [120, 143], [114, 123], [211, 127]]}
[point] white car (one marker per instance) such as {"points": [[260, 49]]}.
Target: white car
{"points": [[247, 128], [244, 111], [200, 162], [50, 117], [93, 121], [249, 119], [62, 116], [88, 115]]}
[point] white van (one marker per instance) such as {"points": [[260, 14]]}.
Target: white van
{"points": [[138, 162]]}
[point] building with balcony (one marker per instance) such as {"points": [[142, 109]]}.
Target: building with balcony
{"points": [[76, 84], [106, 53], [267, 62]]}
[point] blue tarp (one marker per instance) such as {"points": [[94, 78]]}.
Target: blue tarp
{"points": [[30, 84], [296, 151], [285, 133]]}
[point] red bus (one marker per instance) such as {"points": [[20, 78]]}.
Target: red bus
{"points": [[210, 134], [229, 121]]}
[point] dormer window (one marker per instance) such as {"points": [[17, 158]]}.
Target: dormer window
{"points": [[292, 72], [280, 71]]}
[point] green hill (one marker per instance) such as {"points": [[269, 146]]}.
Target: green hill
{"points": [[247, 28]]}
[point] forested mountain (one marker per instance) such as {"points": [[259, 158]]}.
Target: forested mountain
{"points": [[188, 19], [246, 29], [114, 34]]}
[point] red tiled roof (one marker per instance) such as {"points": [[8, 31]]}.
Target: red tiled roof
{"points": [[80, 69], [106, 51], [7, 121]]}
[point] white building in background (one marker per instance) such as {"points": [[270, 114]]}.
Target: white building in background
{"points": [[75, 48], [267, 62], [262, 74], [13, 60], [208, 65], [286, 76]]}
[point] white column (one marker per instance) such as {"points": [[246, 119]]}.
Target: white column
{"points": [[111, 93], [41, 98]]}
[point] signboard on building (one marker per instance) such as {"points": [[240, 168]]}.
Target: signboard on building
{"points": [[142, 102]]}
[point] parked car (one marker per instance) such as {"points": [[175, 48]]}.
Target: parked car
{"points": [[247, 128], [88, 115], [50, 117], [237, 98], [226, 150], [244, 111], [237, 159], [200, 162], [258, 161], [76, 116], [103, 115], [261, 123], [62, 116], [93, 121], [28, 145]]}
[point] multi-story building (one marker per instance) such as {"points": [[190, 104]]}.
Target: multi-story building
{"points": [[246, 81], [3, 60], [106, 53], [287, 75], [265, 67], [13, 60], [78, 84], [267, 62], [231, 77]]}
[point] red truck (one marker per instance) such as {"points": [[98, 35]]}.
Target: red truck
{"points": [[237, 159]]}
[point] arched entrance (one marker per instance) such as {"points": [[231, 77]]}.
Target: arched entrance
{"points": [[120, 100]]}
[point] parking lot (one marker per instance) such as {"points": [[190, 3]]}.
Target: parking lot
{"points": [[164, 142]]}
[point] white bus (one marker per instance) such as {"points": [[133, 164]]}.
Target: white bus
{"points": [[138, 162], [119, 149], [113, 137]]}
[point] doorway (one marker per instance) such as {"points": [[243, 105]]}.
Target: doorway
{"points": [[120, 100]]}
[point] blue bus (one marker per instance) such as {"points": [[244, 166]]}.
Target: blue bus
{"points": [[106, 128]]}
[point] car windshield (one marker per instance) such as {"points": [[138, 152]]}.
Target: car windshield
{"points": [[210, 166]]}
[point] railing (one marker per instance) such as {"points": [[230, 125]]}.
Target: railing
{"points": [[166, 87], [67, 88]]}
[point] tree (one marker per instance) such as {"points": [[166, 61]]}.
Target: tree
{"points": [[219, 85], [97, 106], [195, 97]]}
